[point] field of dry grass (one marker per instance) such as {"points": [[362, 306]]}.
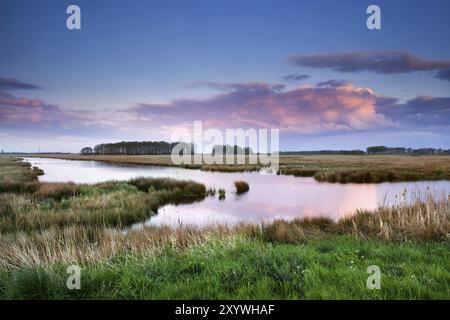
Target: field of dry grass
{"points": [[421, 221], [330, 168]]}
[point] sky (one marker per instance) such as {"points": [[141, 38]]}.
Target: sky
{"points": [[138, 70]]}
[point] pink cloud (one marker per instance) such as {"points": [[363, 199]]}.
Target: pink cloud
{"points": [[327, 107], [330, 106]]}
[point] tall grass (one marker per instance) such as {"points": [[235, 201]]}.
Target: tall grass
{"points": [[421, 221], [26, 204], [427, 219], [17, 176], [112, 204]]}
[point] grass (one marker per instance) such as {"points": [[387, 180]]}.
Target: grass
{"points": [[421, 222], [324, 168], [240, 268], [221, 194], [56, 225], [241, 187], [107, 204], [17, 176], [112, 204], [367, 169]]}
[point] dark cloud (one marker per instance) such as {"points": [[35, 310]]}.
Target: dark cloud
{"points": [[239, 86], [420, 111], [387, 62], [295, 77], [12, 84], [333, 83], [443, 74]]}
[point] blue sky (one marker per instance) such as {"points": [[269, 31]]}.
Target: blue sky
{"points": [[131, 54]]}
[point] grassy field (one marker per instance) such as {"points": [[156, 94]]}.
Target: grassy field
{"points": [[330, 168], [48, 227], [238, 267]]}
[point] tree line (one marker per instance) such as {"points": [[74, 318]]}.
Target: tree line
{"points": [[403, 150], [136, 148], [231, 150], [320, 152], [165, 148]]}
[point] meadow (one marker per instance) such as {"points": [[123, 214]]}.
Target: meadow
{"points": [[44, 227], [329, 168]]}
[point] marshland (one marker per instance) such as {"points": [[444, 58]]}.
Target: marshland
{"points": [[47, 225]]}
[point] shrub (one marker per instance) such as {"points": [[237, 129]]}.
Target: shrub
{"points": [[241, 187]]}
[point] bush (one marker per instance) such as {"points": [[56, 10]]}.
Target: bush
{"points": [[241, 187]]}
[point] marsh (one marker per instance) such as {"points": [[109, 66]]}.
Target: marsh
{"points": [[269, 198]]}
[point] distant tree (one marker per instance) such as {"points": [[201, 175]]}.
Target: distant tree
{"points": [[86, 151], [140, 148], [231, 150], [324, 152], [377, 150]]}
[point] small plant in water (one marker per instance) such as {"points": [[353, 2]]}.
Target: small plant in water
{"points": [[241, 187], [221, 194], [211, 192]]}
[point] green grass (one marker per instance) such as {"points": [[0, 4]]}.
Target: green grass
{"points": [[221, 194], [244, 269]]}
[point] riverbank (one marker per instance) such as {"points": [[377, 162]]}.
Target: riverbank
{"points": [[324, 168], [51, 226]]}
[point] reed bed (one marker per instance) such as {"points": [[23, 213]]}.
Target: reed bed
{"points": [[427, 220], [116, 204]]}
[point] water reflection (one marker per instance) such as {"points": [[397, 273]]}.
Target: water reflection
{"points": [[269, 198]]}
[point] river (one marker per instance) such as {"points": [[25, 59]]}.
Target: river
{"points": [[270, 196]]}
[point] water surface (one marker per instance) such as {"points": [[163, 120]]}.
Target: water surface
{"points": [[270, 197]]}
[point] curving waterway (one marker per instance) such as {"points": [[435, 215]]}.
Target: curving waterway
{"points": [[270, 197]]}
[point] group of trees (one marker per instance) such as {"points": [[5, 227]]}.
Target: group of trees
{"points": [[319, 152], [165, 148], [231, 150], [403, 150], [136, 148], [86, 151]]}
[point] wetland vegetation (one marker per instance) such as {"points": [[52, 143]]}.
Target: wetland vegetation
{"points": [[44, 227]]}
